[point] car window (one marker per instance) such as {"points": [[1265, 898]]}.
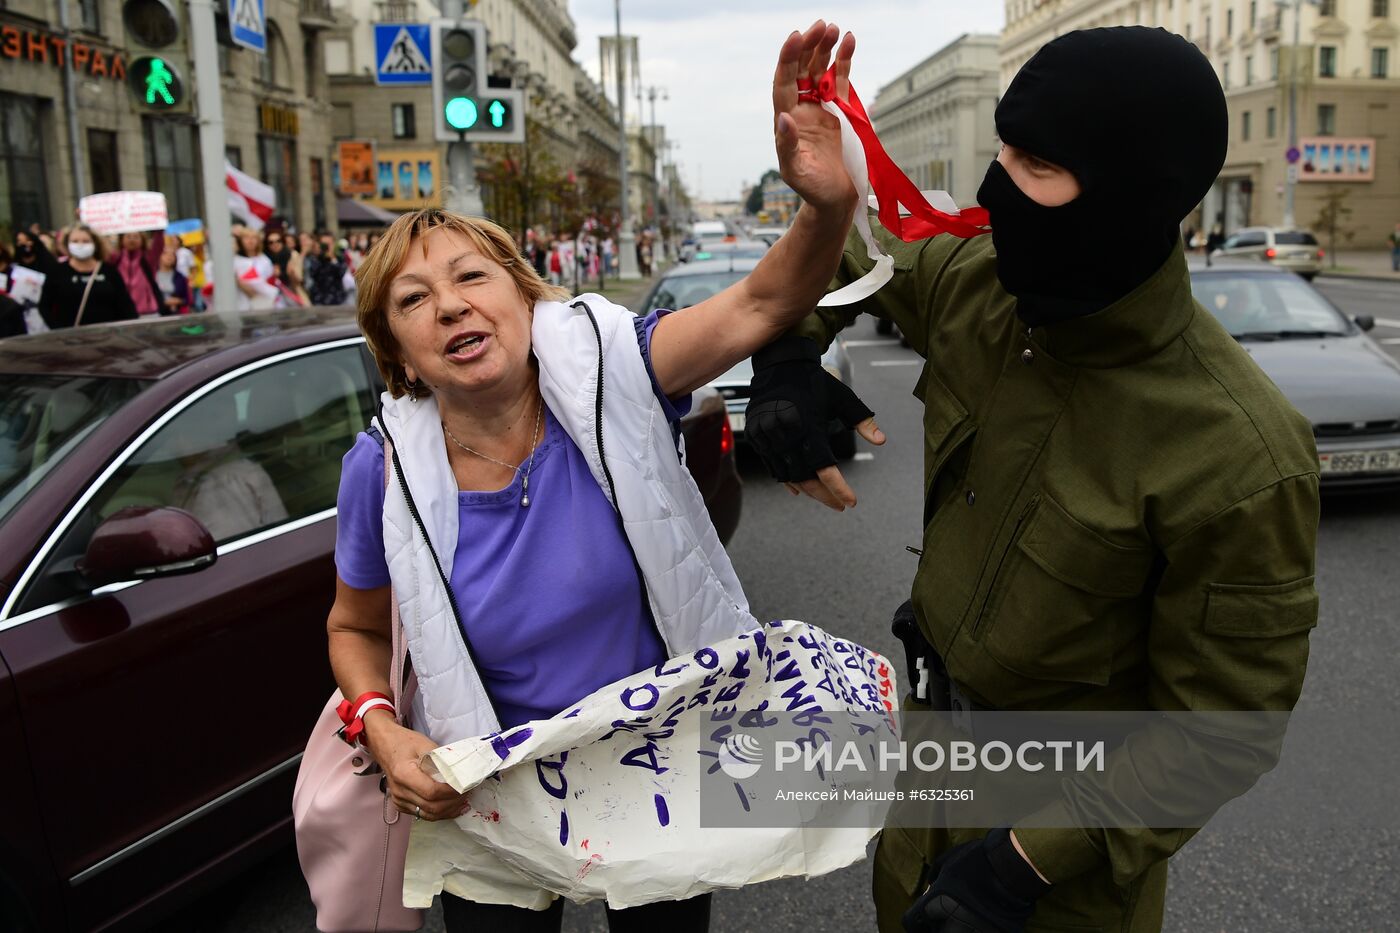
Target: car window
{"points": [[42, 418], [258, 451], [1294, 238], [1253, 303], [1241, 240], [682, 291]]}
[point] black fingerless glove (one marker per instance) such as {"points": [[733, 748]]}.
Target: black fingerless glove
{"points": [[979, 887], [795, 406]]}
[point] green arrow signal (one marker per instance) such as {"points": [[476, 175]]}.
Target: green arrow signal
{"points": [[460, 113], [498, 114]]}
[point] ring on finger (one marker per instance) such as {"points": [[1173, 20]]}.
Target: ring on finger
{"points": [[417, 812]]}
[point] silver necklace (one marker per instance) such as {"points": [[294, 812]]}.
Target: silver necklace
{"points": [[529, 464]]}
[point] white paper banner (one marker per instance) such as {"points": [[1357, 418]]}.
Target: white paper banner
{"points": [[603, 801], [124, 211]]}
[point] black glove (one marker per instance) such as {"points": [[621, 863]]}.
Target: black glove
{"points": [[795, 406], [983, 886]]}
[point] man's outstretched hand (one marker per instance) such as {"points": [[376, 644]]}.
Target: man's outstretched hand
{"points": [[795, 406]]}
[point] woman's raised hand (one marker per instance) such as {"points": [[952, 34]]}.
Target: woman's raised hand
{"points": [[808, 139]]}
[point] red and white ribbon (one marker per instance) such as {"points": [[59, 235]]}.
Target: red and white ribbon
{"points": [[870, 167]]}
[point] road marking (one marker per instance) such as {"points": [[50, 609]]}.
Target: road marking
{"points": [[863, 456], [895, 362], [1387, 322], [884, 342], [1391, 341]]}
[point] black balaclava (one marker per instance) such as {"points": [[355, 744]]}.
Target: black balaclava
{"points": [[1138, 116]]}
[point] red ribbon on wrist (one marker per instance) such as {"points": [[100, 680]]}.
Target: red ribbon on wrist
{"points": [[891, 186], [355, 726]]}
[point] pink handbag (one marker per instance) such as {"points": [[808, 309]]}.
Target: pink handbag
{"points": [[351, 840]]}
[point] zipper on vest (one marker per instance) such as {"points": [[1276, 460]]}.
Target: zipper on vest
{"points": [[1016, 532], [607, 474], [446, 583]]}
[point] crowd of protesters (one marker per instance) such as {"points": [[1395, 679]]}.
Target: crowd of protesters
{"points": [[88, 278]]}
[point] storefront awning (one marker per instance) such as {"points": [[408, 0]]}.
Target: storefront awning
{"points": [[354, 213]]}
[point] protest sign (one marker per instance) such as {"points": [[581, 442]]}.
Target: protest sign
{"points": [[124, 211], [603, 800], [25, 285]]}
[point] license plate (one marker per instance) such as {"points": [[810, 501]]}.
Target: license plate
{"points": [[736, 421], [1361, 461]]}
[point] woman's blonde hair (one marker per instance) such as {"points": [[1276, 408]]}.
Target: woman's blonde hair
{"points": [[386, 257], [240, 231]]}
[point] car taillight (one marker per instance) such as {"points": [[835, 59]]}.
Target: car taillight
{"points": [[1321, 254], [1270, 253], [726, 438]]}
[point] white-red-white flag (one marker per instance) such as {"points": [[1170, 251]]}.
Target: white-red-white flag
{"points": [[249, 198]]}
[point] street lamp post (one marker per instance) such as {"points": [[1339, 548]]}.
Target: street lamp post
{"points": [[626, 242], [1290, 180]]}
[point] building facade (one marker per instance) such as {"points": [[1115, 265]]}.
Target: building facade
{"points": [[1344, 72], [642, 186], [277, 125], [937, 120]]}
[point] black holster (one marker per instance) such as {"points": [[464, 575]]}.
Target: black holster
{"points": [[928, 678]]}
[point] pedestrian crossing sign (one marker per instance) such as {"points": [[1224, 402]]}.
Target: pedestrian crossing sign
{"points": [[402, 53], [248, 24]]}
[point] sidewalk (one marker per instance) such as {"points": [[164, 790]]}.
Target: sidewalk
{"points": [[1361, 264], [627, 294]]}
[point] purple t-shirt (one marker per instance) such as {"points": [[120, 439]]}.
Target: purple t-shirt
{"points": [[550, 599]]}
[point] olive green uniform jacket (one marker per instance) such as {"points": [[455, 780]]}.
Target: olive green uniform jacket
{"points": [[1120, 513]]}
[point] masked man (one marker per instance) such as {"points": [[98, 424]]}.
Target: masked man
{"points": [[1120, 508]]}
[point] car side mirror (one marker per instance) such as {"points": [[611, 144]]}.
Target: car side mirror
{"points": [[1366, 322], [144, 542]]}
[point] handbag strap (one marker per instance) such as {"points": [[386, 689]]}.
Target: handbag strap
{"points": [[399, 686], [87, 290]]}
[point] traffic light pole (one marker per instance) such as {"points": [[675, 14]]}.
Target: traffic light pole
{"points": [[218, 223], [462, 196]]}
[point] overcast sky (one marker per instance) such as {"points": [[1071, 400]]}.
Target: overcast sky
{"points": [[715, 58]]}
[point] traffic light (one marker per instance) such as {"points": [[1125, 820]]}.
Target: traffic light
{"points": [[158, 61], [459, 76], [466, 107]]}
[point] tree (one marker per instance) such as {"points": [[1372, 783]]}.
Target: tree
{"points": [[754, 203], [1332, 217]]}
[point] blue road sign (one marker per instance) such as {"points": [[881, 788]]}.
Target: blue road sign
{"points": [[1293, 155], [248, 24], [402, 53]]}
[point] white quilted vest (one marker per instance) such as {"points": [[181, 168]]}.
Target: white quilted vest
{"points": [[595, 382]]}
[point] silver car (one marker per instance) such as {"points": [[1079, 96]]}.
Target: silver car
{"points": [[1342, 382], [689, 284], [1295, 250]]}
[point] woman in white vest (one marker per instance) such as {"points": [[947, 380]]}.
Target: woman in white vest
{"points": [[540, 533]]}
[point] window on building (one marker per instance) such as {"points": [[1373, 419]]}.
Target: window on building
{"points": [[337, 52], [1245, 125], [318, 195], [1326, 119], [102, 161], [403, 121], [275, 66], [1327, 61], [90, 15], [1327, 7], [1248, 70], [1253, 13], [1273, 64], [1229, 23], [1380, 63], [310, 64], [172, 160], [1225, 75], [1271, 122], [277, 157], [342, 121], [1380, 9], [24, 196]]}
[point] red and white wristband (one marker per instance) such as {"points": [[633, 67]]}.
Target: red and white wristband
{"points": [[352, 714]]}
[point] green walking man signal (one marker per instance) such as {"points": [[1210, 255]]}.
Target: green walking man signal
{"points": [[158, 81]]}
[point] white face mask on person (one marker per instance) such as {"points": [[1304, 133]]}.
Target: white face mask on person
{"points": [[81, 250]]}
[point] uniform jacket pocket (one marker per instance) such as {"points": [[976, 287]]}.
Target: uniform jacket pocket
{"points": [[1064, 595]]}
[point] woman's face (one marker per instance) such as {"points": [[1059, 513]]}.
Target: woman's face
{"points": [[305, 242], [274, 242], [131, 241], [251, 242], [79, 236], [167, 258], [460, 321]]}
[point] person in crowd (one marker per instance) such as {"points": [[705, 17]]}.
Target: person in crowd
{"points": [[286, 264], [1215, 239], [84, 288], [253, 273], [489, 410], [325, 273], [609, 255], [137, 256], [172, 285], [556, 264], [1394, 239], [11, 312], [1120, 509]]}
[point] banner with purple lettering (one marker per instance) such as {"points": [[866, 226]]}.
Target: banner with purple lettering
{"points": [[603, 800]]}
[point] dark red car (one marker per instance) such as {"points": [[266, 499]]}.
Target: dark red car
{"points": [[167, 506]]}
